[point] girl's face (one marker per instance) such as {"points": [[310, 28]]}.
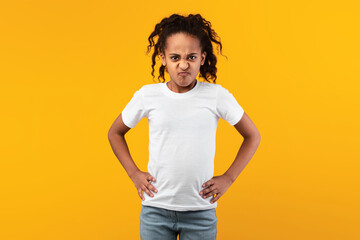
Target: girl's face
{"points": [[182, 58]]}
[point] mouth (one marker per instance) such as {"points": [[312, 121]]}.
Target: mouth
{"points": [[183, 73]]}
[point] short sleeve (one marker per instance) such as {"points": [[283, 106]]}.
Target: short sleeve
{"points": [[134, 111], [227, 106]]}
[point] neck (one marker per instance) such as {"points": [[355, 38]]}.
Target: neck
{"points": [[178, 89]]}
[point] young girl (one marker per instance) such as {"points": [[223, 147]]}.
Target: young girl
{"points": [[181, 191]]}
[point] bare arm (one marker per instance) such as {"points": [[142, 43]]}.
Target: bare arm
{"points": [[218, 185], [247, 149], [120, 148]]}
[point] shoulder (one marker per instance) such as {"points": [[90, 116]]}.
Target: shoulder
{"points": [[149, 87], [222, 91], [215, 86], [210, 87], [150, 90], [216, 89]]}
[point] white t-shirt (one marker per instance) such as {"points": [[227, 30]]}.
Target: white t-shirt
{"points": [[182, 131]]}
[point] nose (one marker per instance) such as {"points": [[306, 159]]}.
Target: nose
{"points": [[184, 64]]}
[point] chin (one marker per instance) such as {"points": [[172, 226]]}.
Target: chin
{"points": [[184, 82]]}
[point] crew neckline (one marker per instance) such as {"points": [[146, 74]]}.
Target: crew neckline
{"points": [[189, 93]]}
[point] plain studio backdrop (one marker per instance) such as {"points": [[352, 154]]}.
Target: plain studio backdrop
{"points": [[68, 68]]}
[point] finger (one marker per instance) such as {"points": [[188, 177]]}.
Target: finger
{"points": [[151, 178], [214, 199], [208, 195], [151, 187], [141, 194], [209, 192], [205, 191], [146, 190], [208, 183], [205, 184]]}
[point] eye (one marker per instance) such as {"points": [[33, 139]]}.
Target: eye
{"points": [[175, 57]]}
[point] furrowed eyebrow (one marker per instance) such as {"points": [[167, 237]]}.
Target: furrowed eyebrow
{"points": [[179, 55]]}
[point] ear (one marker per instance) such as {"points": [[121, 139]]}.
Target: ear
{"points": [[162, 57], [203, 55]]}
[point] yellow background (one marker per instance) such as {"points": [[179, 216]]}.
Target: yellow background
{"points": [[68, 68]]}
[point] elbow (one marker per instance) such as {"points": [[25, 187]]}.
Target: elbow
{"points": [[115, 132], [257, 136], [254, 138], [111, 133]]}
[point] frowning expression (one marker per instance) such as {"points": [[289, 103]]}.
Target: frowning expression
{"points": [[183, 58]]}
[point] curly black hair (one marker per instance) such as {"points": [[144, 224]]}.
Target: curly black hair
{"points": [[193, 25]]}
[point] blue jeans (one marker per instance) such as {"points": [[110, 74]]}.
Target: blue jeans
{"points": [[163, 224]]}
